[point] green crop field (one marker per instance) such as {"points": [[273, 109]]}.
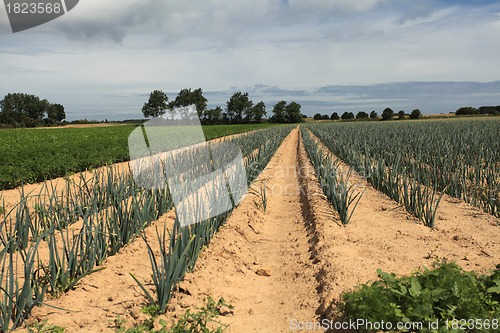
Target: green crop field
{"points": [[457, 157], [34, 155]]}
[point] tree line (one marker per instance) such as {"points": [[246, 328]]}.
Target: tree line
{"points": [[387, 114], [25, 110], [239, 109], [468, 110]]}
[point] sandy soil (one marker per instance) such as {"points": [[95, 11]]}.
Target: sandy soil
{"points": [[255, 243], [289, 262]]}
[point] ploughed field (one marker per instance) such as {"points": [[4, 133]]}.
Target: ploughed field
{"points": [[327, 205]]}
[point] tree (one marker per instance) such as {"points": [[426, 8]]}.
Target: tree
{"points": [[318, 116], [347, 115], [490, 110], [279, 110], [334, 116], [362, 115], [401, 115], [238, 105], [213, 116], [292, 113], [387, 114], [186, 97], [467, 110], [156, 104], [56, 112], [20, 110], [416, 114], [258, 111], [373, 115]]}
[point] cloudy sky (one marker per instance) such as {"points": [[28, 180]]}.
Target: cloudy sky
{"points": [[103, 58]]}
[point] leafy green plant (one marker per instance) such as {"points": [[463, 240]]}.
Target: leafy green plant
{"points": [[45, 327], [445, 292], [33, 156], [263, 195], [198, 322], [201, 321]]}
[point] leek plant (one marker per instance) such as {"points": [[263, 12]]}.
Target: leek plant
{"points": [[263, 194], [18, 297], [389, 171], [343, 196], [169, 269], [457, 157], [185, 243]]}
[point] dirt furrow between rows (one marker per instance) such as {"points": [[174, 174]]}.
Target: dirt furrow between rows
{"points": [[260, 261]]}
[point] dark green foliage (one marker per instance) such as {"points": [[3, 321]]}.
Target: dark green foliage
{"points": [[283, 113], [25, 110], [443, 293], [416, 114], [199, 321], [335, 116], [212, 116], [361, 115], [373, 114], [401, 115], [29, 156], [318, 116], [490, 110], [156, 104], [258, 112], [347, 115], [293, 114], [238, 105], [387, 114], [187, 97], [279, 110], [466, 110]]}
